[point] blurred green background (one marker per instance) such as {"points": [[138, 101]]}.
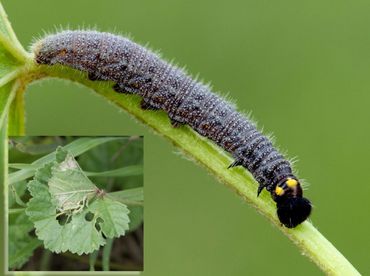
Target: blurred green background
{"points": [[302, 68]]}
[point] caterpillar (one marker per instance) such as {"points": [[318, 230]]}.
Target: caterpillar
{"points": [[162, 86]]}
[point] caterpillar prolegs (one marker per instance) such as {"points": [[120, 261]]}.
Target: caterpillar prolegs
{"points": [[162, 86]]}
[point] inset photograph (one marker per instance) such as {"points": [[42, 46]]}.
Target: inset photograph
{"points": [[75, 203]]}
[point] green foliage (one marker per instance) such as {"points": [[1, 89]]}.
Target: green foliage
{"points": [[67, 210], [61, 190], [21, 244]]}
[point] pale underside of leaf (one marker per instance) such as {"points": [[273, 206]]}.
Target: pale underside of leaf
{"points": [[69, 185]]}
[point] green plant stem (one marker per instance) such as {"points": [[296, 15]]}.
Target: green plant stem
{"points": [[107, 249], [46, 260], [16, 211], [92, 260]]}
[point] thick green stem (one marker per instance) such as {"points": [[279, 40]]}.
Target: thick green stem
{"points": [[106, 254]]}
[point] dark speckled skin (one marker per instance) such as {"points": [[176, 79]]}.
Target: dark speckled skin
{"points": [[137, 70]]}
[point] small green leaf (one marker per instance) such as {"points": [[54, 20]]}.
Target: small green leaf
{"points": [[60, 189], [114, 214]]}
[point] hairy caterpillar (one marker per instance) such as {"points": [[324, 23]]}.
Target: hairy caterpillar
{"points": [[136, 70]]}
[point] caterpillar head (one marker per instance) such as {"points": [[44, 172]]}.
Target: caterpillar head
{"points": [[293, 211], [292, 208]]}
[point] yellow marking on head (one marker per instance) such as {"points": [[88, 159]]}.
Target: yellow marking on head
{"points": [[279, 191], [291, 182]]}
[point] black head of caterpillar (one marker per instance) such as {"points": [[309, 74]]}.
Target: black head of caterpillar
{"points": [[292, 208]]}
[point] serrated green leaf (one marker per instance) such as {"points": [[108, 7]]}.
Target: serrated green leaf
{"points": [[114, 214], [82, 232], [78, 236]]}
